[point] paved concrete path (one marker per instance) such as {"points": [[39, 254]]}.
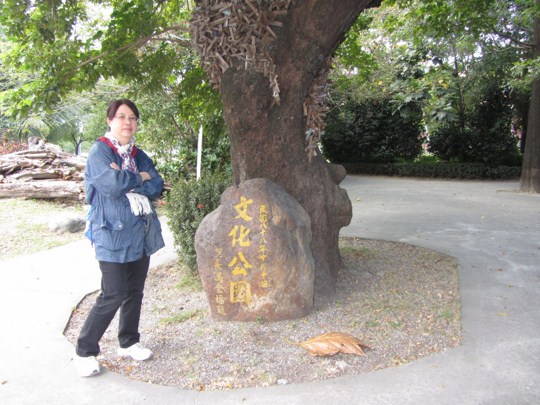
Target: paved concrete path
{"points": [[491, 229]]}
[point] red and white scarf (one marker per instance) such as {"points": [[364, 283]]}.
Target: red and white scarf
{"points": [[125, 152], [140, 204]]}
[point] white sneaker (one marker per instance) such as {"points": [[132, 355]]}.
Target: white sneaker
{"points": [[87, 366], [136, 352]]}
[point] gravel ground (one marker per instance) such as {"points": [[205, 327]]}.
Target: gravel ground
{"points": [[400, 300]]}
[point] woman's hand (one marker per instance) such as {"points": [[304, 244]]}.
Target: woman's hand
{"points": [[114, 166], [145, 176]]}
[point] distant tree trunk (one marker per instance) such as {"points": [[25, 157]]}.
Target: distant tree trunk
{"points": [[530, 172], [268, 140]]}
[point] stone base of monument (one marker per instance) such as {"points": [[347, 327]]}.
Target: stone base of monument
{"points": [[254, 255]]}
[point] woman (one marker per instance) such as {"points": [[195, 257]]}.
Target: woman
{"points": [[120, 181]]}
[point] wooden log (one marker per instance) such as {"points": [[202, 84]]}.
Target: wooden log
{"points": [[45, 189], [28, 175], [71, 161]]}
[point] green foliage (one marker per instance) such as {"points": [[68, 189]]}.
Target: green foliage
{"points": [[441, 19], [199, 104], [453, 59], [171, 123], [484, 137], [406, 65], [469, 171], [371, 131], [45, 45], [187, 204], [350, 53], [67, 46], [140, 48], [182, 165]]}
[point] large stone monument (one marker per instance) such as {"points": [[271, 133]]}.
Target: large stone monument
{"points": [[254, 256]]}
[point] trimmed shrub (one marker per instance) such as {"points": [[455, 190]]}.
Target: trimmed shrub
{"points": [[370, 131], [188, 203], [484, 137], [454, 170], [474, 145]]}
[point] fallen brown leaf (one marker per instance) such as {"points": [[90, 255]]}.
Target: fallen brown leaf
{"points": [[331, 343]]}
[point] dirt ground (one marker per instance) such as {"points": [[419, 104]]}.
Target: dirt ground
{"points": [[400, 300]]}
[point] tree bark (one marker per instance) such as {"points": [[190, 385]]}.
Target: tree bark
{"points": [[530, 172], [268, 140]]}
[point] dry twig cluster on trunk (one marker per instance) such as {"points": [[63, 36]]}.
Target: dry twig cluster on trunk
{"points": [[227, 31]]}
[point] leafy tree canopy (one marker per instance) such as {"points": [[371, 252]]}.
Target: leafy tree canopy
{"points": [[57, 50], [70, 45], [434, 52]]}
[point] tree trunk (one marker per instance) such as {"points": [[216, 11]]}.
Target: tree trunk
{"points": [[530, 172], [268, 140]]}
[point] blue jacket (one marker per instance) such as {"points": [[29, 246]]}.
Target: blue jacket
{"points": [[117, 234]]}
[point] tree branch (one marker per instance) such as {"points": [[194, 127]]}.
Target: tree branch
{"points": [[134, 45], [527, 45]]}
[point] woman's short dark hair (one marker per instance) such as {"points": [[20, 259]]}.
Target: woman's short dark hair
{"points": [[115, 105]]}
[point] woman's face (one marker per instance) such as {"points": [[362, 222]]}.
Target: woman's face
{"points": [[123, 125]]}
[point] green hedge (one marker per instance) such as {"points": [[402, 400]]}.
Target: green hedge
{"points": [[436, 170], [372, 131], [484, 135]]}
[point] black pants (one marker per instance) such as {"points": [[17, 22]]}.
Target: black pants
{"points": [[122, 286]]}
